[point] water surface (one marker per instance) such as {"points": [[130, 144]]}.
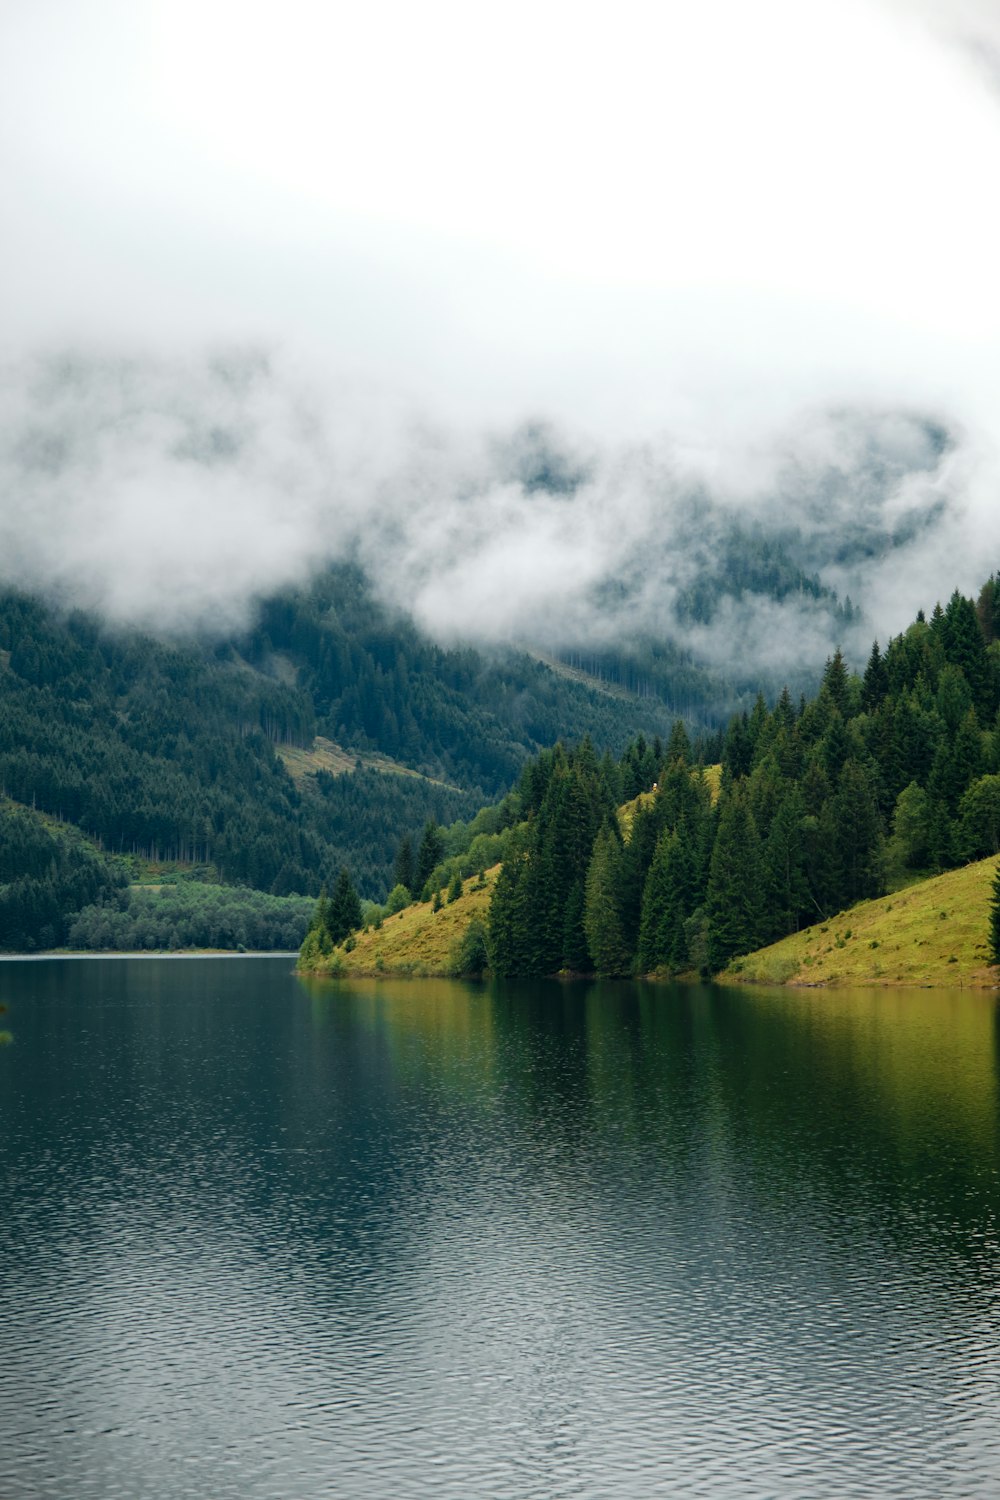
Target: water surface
{"points": [[267, 1238]]}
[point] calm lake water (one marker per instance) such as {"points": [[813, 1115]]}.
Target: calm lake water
{"points": [[262, 1237]]}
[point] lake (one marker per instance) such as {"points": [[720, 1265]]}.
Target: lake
{"points": [[265, 1237]]}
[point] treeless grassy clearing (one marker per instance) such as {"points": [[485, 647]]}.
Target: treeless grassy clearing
{"points": [[324, 755]]}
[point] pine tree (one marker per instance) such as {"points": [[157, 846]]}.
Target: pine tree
{"points": [[875, 683], [670, 897], [678, 745], [428, 856], [403, 871], [734, 904], [510, 916], [601, 917], [859, 836], [836, 684], [786, 889], [344, 914]]}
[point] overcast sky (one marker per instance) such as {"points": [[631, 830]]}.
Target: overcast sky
{"points": [[673, 227]]}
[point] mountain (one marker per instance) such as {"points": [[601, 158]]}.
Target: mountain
{"points": [[318, 737]]}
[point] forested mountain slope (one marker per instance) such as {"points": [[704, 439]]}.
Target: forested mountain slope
{"points": [[177, 750], [878, 779], [822, 805]]}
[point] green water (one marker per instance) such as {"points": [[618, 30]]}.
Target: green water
{"points": [[264, 1237]]}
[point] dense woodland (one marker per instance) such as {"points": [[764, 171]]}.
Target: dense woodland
{"points": [[170, 751], [879, 778], [191, 915], [821, 804]]}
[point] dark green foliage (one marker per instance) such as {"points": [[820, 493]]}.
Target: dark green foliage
{"points": [[512, 929], [47, 874], [428, 855], [601, 913], [344, 912], [679, 744], [734, 902], [539, 897], [637, 857], [470, 955], [737, 753], [912, 830], [800, 830], [875, 683], [403, 870], [669, 899], [836, 685], [786, 888], [858, 837], [979, 818], [191, 915], [455, 888]]}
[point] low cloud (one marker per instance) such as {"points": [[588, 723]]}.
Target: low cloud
{"points": [[173, 494]]}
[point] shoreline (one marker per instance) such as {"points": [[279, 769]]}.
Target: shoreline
{"points": [[62, 953]]}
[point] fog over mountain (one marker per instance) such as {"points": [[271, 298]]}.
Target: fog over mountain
{"points": [[537, 316]]}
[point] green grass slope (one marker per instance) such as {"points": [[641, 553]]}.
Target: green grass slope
{"points": [[933, 933], [418, 940]]}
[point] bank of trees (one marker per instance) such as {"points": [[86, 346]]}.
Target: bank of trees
{"points": [[821, 804], [191, 915]]}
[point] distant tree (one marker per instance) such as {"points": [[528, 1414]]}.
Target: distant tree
{"points": [[784, 877], [836, 683], [679, 744], [403, 871], [669, 899], [510, 921], [344, 914], [912, 830], [859, 836], [397, 898], [469, 955], [979, 818], [455, 887], [428, 856], [602, 918], [734, 904], [875, 683]]}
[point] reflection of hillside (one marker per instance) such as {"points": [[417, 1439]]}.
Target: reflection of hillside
{"points": [[855, 1095], [433, 1024]]}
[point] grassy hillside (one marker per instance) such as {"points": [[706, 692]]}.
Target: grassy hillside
{"points": [[301, 763], [418, 940], [933, 933]]}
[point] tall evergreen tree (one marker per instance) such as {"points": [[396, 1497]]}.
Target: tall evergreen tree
{"points": [[784, 879], [678, 745], [875, 683], [859, 836], [429, 855], [836, 683], [734, 903], [601, 916], [403, 870], [510, 926], [344, 912], [669, 898]]}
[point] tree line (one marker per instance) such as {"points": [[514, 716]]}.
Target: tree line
{"points": [[822, 803]]}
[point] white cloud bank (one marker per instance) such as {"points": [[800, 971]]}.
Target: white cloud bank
{"points": [[680, 234]]}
